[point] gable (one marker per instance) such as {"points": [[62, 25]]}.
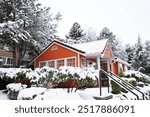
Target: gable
{"points": [[107, 51], [56, 51], [60, 44]]}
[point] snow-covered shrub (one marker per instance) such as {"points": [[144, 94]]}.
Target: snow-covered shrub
{"points": [[22, 78], [132, 81], [15, 86], [140, 77], [121, 73], [116, 89], [13, 90], [140, 84], [30, 93], [5, 80], [83, 77], [47, 76]]}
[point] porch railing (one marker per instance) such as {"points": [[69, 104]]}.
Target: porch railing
{"points": [[129, 85], [122, 83]]}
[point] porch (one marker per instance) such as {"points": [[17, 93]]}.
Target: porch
{"points": [[106, 63]]}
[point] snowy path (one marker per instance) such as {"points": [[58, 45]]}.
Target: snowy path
{"points": [[3, 96]]}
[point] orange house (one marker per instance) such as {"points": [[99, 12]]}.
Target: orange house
{"points": [[97, 54]]}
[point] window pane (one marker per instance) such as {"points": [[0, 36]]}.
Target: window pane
{"points": [[60, 63], [71, 62], [51, 64], [83, 62], [42, 64]]}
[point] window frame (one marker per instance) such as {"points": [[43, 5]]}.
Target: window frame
{"points": [[41, 63], [71, 58]]}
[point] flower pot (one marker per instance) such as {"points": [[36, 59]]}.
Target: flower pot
{"points": [[70, 83]]}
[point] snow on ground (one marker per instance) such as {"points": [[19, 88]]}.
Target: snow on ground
{"points": [[58, 94], [61, 94], [3, 95], [30, 92]]}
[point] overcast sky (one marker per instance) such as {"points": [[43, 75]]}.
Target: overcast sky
{"points": [[126, 18]]}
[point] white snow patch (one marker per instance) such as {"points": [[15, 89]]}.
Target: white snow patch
{"points": [[16, 86], [88, 47], [30, 92], [3, 96]]}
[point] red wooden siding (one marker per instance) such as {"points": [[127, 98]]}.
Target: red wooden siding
{"points": [[107, 51], [59, 53], [115, 68]]}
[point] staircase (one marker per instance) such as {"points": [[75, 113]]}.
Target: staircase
{"points": [[139, 95]]}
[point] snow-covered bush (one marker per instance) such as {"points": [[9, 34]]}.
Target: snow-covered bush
{"points": [[30, 93], [140, 77], [13, 90], [121, 73], [140, 84], [84, 77], [5, 80], [116, 89], [132, 81], [47, 75], [15, 86]]}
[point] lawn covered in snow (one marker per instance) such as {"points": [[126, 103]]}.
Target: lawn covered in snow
{"points": [[62, 94]]}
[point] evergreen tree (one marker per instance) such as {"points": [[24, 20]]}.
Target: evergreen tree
{"points": [[138, 55], [146, 58], [76, 33], [90, 35], [22, 23], [129, 50]]}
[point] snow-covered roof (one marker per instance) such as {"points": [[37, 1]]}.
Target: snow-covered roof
{"points": [[123, 62], [92, 47]]}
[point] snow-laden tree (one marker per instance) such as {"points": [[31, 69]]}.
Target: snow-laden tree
{"points": [[130, 53], [26, 26], [116, 46], [75, 33], [138, 58], [146, 58], [90, 35]]}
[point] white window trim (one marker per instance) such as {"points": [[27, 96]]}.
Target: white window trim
{"points": [[6, 59], [84, 61], [65, 61], [54, 47]]}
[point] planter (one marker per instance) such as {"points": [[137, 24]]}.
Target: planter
{"points": [[71, 83], [67, 84]]}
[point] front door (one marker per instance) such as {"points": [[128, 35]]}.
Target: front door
{"points": [[104, 77]]}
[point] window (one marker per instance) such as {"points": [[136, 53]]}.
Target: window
{"points": [[51, 64], [83, 63], [9, 61], [42, 64], [71, 62], [60, 63], [54, 47]]}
